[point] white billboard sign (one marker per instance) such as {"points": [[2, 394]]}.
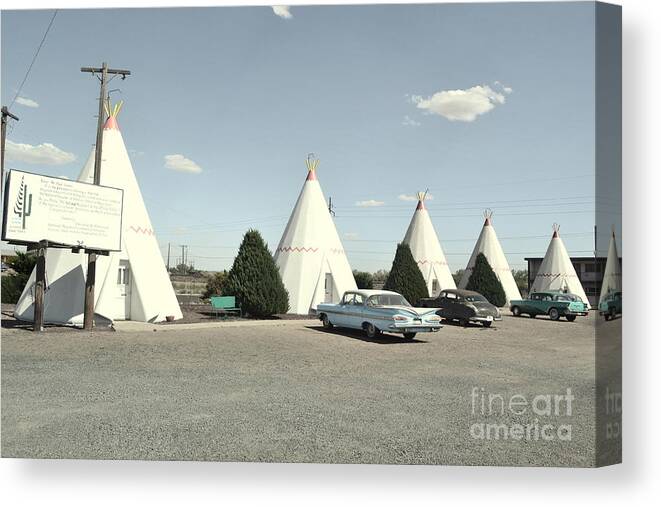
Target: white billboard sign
{"points": [[61, 211]]}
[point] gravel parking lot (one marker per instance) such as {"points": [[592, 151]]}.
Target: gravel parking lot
{"points": [[295, 392]]}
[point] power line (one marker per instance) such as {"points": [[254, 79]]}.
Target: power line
{"points": [[34, 58]]}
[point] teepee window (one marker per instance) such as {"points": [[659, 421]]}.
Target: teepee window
{"points": [[122, 276]]}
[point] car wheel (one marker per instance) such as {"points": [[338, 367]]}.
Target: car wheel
{"points": [[532, 315], [326, 322], [370, 330], [571, 318], [409, 336], [612, 313], [516, 311], [463, 322], [486, 323], [554, 314], [607, 316]]}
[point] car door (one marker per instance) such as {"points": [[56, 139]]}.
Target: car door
{"points": [[341, 318], [452, 306], [531, 305], [546, 303], [356, 317], [442, 304]]}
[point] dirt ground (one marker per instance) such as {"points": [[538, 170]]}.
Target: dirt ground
{"points": [[298, 393]]}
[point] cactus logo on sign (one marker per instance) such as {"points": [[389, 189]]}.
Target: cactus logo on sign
{"points": [[23, 204]]}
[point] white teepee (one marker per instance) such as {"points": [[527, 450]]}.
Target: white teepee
{"points": [[426, 249], [132, 284], [613, 272], [557, 271], [310, 256], [488, 245]]}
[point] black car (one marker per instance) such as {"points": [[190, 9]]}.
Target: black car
{"points": [[464, 306]]}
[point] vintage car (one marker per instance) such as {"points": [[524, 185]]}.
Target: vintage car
{"points": [[464, 306], [611, 305], [555, 304], [376, 311]]}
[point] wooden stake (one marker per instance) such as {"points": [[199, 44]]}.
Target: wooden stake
{"points": [[40, 287]]}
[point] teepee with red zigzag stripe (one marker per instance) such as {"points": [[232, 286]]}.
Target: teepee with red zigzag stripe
{"points": [[426, 249], [612, 281], [312, 262], [488, 245], [557, 273], [132, 284]]}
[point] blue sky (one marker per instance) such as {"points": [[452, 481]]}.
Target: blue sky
{"points": [[244, 94]]}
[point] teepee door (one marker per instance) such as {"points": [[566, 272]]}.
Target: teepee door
{"points": [[328, 288], [123, 290]]}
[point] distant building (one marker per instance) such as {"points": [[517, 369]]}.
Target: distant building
{"points": [[590, 271]]}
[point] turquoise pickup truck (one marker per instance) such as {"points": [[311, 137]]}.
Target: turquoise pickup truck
{"points": [[551, 303]]}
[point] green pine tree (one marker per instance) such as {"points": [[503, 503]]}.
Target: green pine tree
{"points": [[255, 279], [14, 283], [405, 276], [485, 281]]}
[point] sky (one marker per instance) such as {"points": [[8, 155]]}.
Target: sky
{"points": [[486, 105]]}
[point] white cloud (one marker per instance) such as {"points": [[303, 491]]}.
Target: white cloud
{"points": [[45, 154], [24, 101], [282, 11], [351, 235], [370, 203], [410, 122], [178, 162], [413, 197], [506, 89], [461, 105]]}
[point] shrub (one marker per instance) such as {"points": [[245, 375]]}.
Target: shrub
{"points": [[485, 281], [364, 280], [14, 283], [216, 284], [457, 276], [405, 276], [521, 279], [255, 279]]}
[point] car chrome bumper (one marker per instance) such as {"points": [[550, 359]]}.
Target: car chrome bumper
{"points": [[413, 328], [488, 318]]}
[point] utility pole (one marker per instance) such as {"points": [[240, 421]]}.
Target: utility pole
{"points": [[5, 114], [168, 264], [184, 255], [330, 206], [104, 71]]}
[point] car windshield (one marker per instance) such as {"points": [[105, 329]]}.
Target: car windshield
{"points": [[387, 300], [476, 298]]}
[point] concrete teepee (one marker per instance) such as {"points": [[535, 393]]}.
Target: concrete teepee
{"points": [[612, 281], [310, 256], [132, 284], [426, 249], [489, 245], [557, 271]]}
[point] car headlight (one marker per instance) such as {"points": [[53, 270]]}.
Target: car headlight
{"points": [[400, 318]]}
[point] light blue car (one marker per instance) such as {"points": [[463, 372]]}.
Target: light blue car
{"points": [[376, 311]]}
